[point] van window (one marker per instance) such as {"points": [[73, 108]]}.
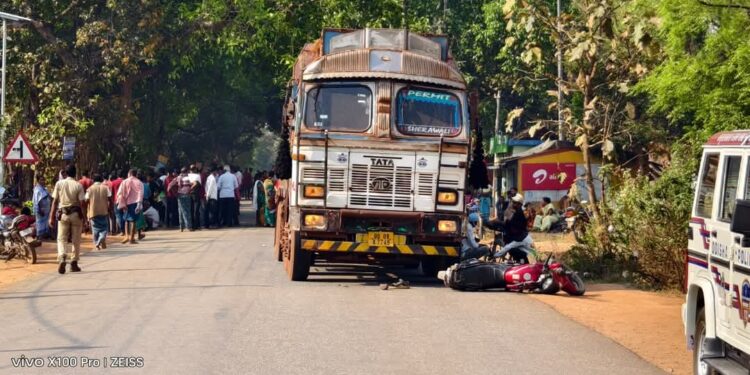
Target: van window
{"points": [[747, 181], [731, 181], [708, 182]]}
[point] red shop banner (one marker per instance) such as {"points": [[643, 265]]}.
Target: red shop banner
{"points": [[548, 176]]}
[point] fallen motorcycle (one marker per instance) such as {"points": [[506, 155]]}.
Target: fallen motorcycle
{"points": [[546, 277]]}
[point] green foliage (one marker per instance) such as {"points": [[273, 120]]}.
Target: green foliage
{"points": [[638, 206], [704, 84]]}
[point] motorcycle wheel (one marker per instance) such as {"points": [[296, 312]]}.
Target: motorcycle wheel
{"points": [[29, 254], [549, 286], [575, 285]]}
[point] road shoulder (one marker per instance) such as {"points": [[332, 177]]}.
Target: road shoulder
{"points": [[647, 323]]}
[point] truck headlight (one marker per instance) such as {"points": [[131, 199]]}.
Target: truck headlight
{"points": [[314, 191], [449, 197], [315, 221], [447, 226]]}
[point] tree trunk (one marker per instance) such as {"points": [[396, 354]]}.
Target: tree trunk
{"points": [[588, 177]]}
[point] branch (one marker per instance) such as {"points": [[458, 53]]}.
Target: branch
{"points": [[46, 33], [734, 6], [72, 5]]}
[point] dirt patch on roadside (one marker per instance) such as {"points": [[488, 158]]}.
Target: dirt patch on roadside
{"points": [[647, 323], [18, 270]]}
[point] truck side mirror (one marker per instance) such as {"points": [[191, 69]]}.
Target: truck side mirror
{"points": [[741, 221]]}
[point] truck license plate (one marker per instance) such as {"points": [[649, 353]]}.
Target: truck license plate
{"points": [[380, 238]]}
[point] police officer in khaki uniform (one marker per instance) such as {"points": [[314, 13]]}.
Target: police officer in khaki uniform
{"points": [[67, 198]]}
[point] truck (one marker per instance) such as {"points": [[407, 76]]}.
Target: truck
{"points": [[379, 133], [716, 311]]}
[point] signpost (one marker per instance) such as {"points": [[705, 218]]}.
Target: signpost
{"points": [[69, 148], [20, 151], [7, 19]]}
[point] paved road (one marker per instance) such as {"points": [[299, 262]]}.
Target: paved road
{"points": [[215, 302]]}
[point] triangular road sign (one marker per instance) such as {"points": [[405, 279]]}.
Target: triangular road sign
{"points": [[20, 151]]}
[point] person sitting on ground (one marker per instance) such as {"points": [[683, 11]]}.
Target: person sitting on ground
{"points": [[27, 219], [470, 248], [151, 215], [548, 217], [531, 215]]}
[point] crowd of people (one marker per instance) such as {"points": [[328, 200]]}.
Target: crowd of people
{"points": [[129, 202]]}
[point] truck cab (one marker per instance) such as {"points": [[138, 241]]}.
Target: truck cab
{"points": [[717, 304], [379, 130]]}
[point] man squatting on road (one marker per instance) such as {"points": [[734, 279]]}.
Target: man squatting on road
{"points": [[67, 198]]}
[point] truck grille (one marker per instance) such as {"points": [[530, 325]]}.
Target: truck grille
{"points": [[381, 186]]}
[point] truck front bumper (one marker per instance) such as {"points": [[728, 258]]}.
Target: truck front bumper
{"points": [[361, 247]]}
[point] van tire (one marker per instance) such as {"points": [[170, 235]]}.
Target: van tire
{"points": [[700, 336]]}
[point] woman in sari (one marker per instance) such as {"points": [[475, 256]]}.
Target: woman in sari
{"points": [[259, 201], [42, 204], [270, 212]]}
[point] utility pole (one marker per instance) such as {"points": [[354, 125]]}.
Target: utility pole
{"points": [[560, 135], [496, 178], [6, 17]]}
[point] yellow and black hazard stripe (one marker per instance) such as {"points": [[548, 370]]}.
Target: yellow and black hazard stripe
{"points": [[362, 247]]}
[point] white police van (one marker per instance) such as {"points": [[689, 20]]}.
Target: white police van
{"points": [[717, 305]]}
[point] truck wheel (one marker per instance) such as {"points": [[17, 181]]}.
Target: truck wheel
{"points": [[281, 238], [700, 367], [297, 261]]}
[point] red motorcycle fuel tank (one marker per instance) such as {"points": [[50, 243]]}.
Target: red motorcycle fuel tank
{"points": [[523, 273]]}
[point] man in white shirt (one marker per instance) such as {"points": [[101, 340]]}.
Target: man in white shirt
{"points": [[226, 185], [212, 197]]}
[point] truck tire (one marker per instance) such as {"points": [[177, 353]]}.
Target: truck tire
{"points": [[297, 261], [700, 368], [281, 237]]}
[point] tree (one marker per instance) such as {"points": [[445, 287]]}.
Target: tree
{"points": [[606, 51], [703, 84]]}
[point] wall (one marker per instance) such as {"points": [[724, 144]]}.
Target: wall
{"points": [[571, 156]]}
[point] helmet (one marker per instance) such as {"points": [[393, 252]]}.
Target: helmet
{"points": [[473, 218]]}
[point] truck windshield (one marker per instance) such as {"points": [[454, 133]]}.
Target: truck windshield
{"points": [[339, 108], [428, 112]]}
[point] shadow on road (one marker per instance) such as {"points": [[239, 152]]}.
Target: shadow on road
{"points": [[369, 275]]}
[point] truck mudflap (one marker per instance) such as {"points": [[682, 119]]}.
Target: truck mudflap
{"points": [[362, 247]]}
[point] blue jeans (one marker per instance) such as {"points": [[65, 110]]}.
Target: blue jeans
{"points": [[99, 228], [184, 205], [120, 218]]}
